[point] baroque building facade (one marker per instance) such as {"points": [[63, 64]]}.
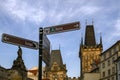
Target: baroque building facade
{"points": [[109, 62], [118, 66], [89, 51]]}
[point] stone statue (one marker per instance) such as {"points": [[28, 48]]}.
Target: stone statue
{"points": [[19, 52], [18, 65]]}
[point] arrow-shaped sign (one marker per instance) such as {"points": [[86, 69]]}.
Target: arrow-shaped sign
{"points": [[62, 28], [19, 41]]}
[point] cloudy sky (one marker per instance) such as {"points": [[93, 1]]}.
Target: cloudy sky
{"points": [[23, 18]]}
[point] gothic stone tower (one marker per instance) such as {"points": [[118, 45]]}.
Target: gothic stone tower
{"points": [[56, 70], [89, 50]]}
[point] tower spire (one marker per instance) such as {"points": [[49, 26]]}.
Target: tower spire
{"points": [[86, 22], [92, 22], [59, 46], [81, 41], [100, 39], [90, 36]]}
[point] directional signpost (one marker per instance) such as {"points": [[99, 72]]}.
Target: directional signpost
{"points": [[53, 30], [19, 41], [44, 44], [46, 50], [62, 28]]}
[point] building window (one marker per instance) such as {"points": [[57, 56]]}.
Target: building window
{"points": [[8, 75], [119, 66], [119, 76], [109, 72], [108, 62], [104, 56], [117, 48], [110, 53], [113, 70], [61, 75], [114, 49], [113, 59], [103, 65], [112, 78], [103, 74]]}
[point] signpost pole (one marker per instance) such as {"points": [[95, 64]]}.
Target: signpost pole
{"points": [[40, 53]]}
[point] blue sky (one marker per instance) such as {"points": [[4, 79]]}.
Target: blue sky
{"points": [[23, 18]]}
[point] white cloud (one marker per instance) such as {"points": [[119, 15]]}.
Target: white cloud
{"points": [[114, 35], [117, 25], [53, 12], [20, 10], [117, 28], [89, 10]]}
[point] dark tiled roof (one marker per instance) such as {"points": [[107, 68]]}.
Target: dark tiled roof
{"points": [[118, 42], [90, 36], [56, 57]]}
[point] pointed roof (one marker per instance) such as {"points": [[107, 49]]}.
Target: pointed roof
{"points": [[100, 39], [81, 41], [90, 36], [81, 44], [56, 57]]}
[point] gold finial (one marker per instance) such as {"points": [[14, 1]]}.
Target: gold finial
{"points": [[86, 21], [92, 21], [59, 46]]}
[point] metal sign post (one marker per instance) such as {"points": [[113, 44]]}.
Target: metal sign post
{"points": [[40, 53]]}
